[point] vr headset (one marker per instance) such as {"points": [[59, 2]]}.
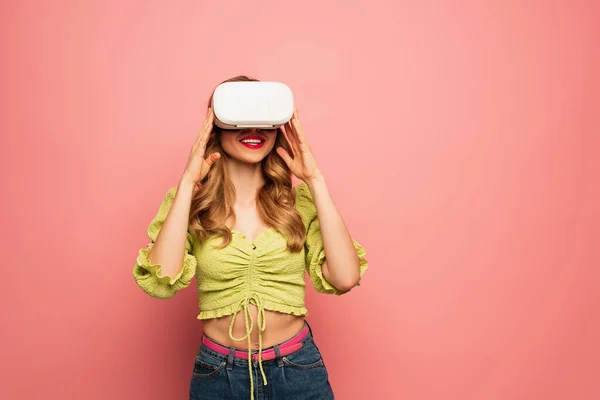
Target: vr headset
{"points": [[239, 105]]}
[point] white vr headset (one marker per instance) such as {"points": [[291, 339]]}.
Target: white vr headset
{"points": [[239, 105]]}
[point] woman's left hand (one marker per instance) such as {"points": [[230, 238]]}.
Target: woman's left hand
{"points": [[303, 164]]}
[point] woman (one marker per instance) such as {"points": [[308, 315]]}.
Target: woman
{"points": [[236, 223]]}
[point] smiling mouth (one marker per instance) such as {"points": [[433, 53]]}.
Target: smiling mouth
{"points": [[252, 142]]}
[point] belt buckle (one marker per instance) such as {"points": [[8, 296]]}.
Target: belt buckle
{"points": [[268, 355], [271, 352]]}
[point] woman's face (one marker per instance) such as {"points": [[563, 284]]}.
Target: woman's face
{"points": [[250, 145]]}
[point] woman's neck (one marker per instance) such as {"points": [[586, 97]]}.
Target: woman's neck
{"points": [[247, 180]]}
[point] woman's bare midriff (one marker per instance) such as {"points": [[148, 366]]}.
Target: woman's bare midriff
{"points": [[279, 327]]}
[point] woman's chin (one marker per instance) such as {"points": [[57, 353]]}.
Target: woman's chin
{"points": [[248, 159]]}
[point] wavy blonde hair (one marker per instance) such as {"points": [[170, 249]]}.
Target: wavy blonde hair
{"points": [[213, 204]]}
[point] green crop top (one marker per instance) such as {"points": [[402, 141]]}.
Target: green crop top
{"points": [[263, 272]]}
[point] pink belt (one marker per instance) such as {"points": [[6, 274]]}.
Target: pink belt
{"points": [[285, 348]]}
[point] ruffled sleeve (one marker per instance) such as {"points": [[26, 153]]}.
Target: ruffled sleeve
{"points": [[314, 249], [147, 275]]}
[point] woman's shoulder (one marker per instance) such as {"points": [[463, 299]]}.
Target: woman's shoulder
{"points": [[167, 200], [302, 191], [304, 202]]}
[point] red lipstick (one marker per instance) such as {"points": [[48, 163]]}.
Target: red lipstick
{"points": [[252, 141]]}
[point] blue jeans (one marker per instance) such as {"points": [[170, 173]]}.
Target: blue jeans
{"points": [[300, 375]]}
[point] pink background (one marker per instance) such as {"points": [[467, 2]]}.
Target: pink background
{"points": [[460, 141]]}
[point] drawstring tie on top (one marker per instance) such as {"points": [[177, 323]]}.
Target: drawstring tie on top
{"points": [[261, 321]]}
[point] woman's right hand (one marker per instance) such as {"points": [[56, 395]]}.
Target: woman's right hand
{"points": [[197, 166]]}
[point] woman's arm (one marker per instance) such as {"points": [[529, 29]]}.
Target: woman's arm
{"points": [[335, 261], [341, 268], [169, 250]]}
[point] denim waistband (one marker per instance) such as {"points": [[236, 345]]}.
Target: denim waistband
{"points": [[277, 353], [233, 349]]}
